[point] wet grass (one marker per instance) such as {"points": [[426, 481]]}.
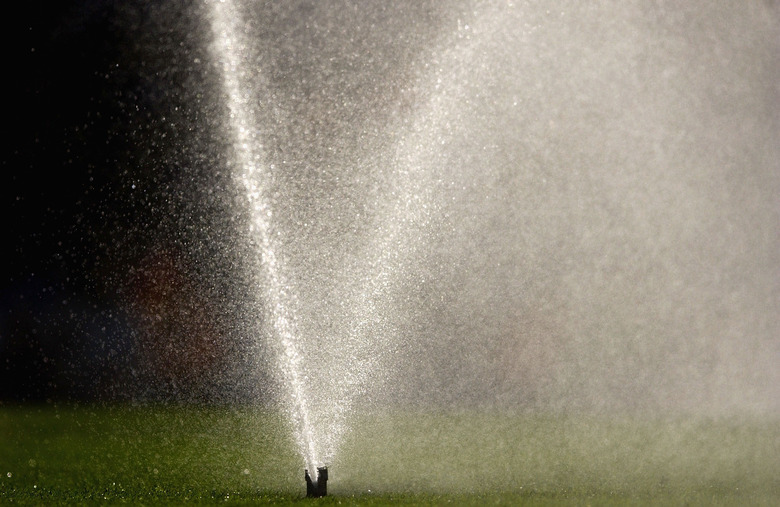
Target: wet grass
{"points": [[154, 455]]}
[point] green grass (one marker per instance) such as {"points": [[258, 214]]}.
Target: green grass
{"points": [[67, 455]]}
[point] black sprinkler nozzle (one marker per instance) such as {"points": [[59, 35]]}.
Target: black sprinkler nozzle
{"points": [[320, 488]]}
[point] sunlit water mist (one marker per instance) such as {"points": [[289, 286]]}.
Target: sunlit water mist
{"points": [[505, 205], [273, 292]]}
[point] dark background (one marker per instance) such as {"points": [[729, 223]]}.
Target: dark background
{"points": [[104, 220]]}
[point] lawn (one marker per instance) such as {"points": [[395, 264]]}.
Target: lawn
{"points": [[151, 455]]}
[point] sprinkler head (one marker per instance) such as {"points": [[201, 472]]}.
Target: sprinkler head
{"points": [[320, 488]]}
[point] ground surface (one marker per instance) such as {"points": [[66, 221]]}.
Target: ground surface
{"points": [[55, 454]]}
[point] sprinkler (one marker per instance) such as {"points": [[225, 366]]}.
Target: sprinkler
{"points": [[320, 488]]}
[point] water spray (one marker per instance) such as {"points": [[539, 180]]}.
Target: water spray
{"points": [[251, 171], [320, 488]]}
